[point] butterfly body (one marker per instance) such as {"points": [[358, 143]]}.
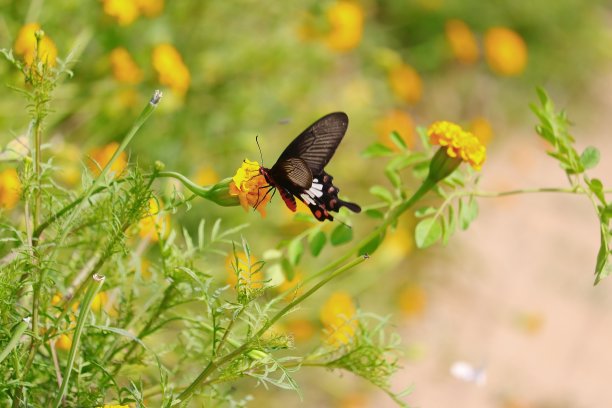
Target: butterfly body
{"points": [[299, 171]]}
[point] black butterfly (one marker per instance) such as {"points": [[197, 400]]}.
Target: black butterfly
{"points": [[299, 171]]}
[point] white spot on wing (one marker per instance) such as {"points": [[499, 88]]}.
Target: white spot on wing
{"points": [[307, 198], [317, 186]]}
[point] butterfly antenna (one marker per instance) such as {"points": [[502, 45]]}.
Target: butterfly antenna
{"points": [[259, 147]]}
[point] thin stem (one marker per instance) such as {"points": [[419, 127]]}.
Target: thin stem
{"points": [[17, 333]]}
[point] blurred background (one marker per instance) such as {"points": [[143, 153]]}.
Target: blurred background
{"points": [[506, 314]]}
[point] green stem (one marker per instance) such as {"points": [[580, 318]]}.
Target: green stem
{"points": [[17, 333], [93, 289], [188, 392]]}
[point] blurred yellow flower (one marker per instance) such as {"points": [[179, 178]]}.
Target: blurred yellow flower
{"points": [[462, 41], [338, 317], [205, 176], [101, 302], [399, 121], [481, 128], [155, 224], [124, 67], [346, 21], [124, 11], [458, 143], [301, 329], [406, 83], [246, 185], [10, 188], [294, 284], [115, 406], [150, 8], [67, 158], [102, 155], [25, 45], [506, 51], [63, 342], [531, 323], [246, 271], [412, 300], [170, 68]]}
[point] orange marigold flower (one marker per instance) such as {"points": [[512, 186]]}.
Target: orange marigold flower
{"points": [[506, 51], [124, 67], [462, 41], [346, 21], [170, 68], [155, 224], [338, 318], [63, 342], [25, 45], [482, 129], [243, 272], [406, 83], [150, 8], [124, 11], [398, 121], [10, 188], [458, 143], [102, 155], [301, 329], [246, 184]]}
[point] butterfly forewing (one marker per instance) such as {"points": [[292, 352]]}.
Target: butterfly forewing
{"points": [[293, 171]]}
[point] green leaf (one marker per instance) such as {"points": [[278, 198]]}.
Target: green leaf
{"points": [[596, 186], [316, 241], [341, 235], [376, 214], [377, 150], [403, 161], [372, 245], [397, 139], [393, 177], [449, 225], [422, 132], [288, 270], [300, 216], [467, 212], [602, 266], [295, 251], [382, 193], [424, 212], [589, 157], [428, 232]]}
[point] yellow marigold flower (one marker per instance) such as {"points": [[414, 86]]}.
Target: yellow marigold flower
{"points": [[506, 51], [301, 329], [124, 11], [170, 68], [63, 342], [462, 41], [25, 45], [101, 156], [150, 8], [481, 128], [458, 143], [346, 21], [398, 121], [412, 300], [102, 301], [245, 271], [406, 83], [155, 224], [338, 318], [247, 183], [124, 67], [10, 188]]}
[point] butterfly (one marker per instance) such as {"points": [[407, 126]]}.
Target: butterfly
{"points": [[300, 169]]}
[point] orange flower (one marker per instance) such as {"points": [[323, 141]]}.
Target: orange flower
{"points": [[154, 225], [63, 342], [481, 128], [171, 69], [506, 51], [301, 329], [124, 11], [398, 121], [406, 83], [462, 41], [25, 45], [246, 184], [346, 21], [150, 8], [458, 143], [101, 156], [412, 300], [124, 67], [338, 318], [10, 188], [245, 273]]}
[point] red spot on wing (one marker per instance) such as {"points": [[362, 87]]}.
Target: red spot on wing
{"points": [[288, 199]]}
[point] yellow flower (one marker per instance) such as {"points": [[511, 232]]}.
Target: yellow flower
{"points": [[506, 51], [481, 128], [10, 188], [247, 183], [101, 156], [205, 176], [150, 8], [412, 300], [124, 67], [245, 272], [338, 318], [458, 143], [63, 342], [102, 301], [462, 41], [25, 45], [301, 329], [124, 11], [170, 68], [406, 83], [294, 284], [399, 121], [346, 21], [67, 158], [155, 224], [115, 406]]}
